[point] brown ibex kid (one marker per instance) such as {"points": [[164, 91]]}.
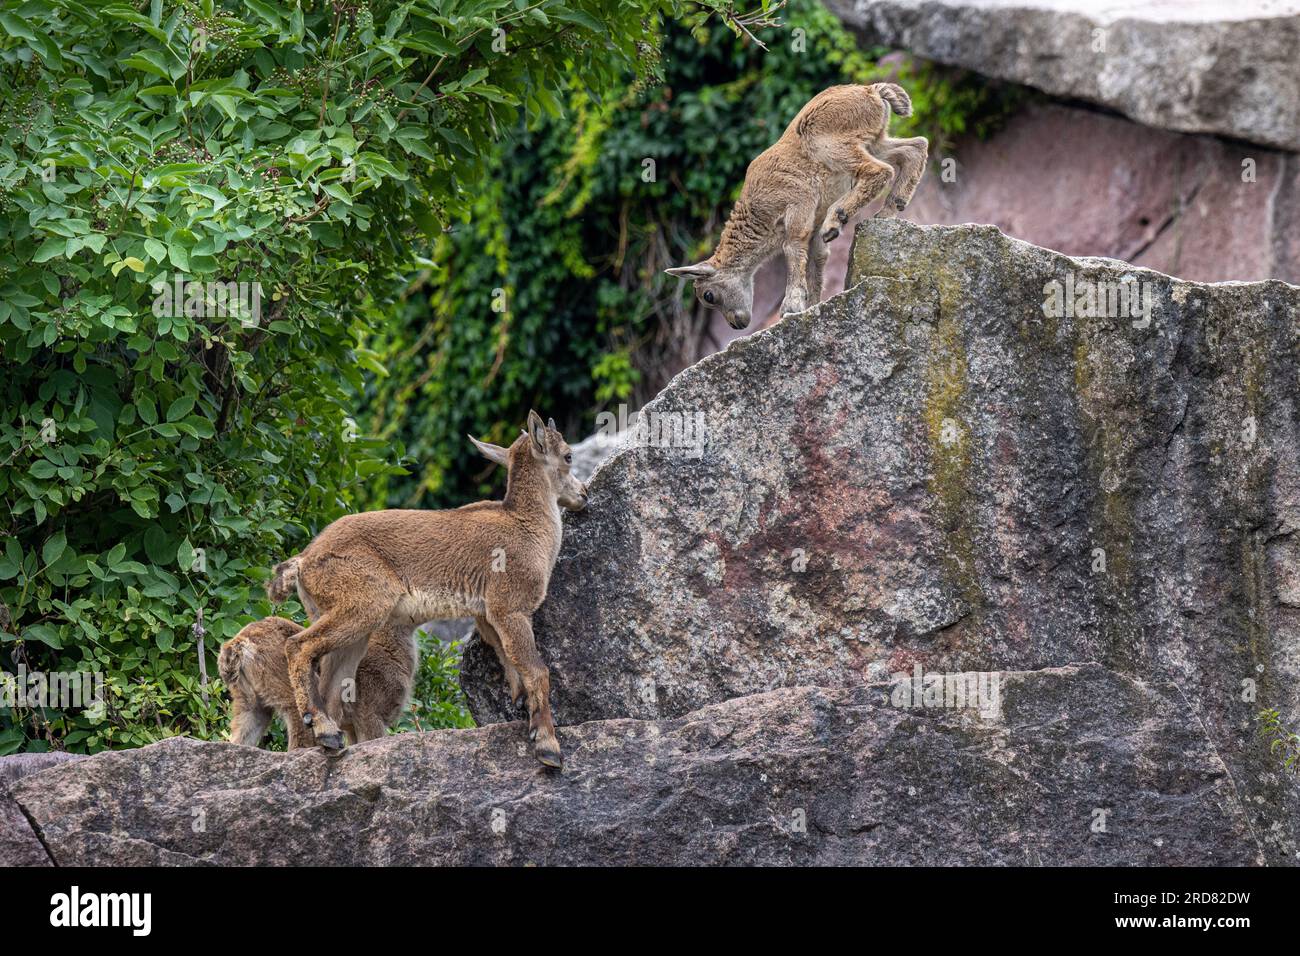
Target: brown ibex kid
{"points": [[491, 561], [255, 669], [832, 160]]}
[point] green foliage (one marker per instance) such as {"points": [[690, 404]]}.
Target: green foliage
{"points": [[1282, 743], [550, 293], [436, 701], [157, 456]]}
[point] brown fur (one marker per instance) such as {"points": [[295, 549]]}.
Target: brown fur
{"points": [[833, 159], [489, 560], [255, 669]]}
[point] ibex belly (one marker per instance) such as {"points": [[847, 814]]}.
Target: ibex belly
{"points": [[431, 604]]}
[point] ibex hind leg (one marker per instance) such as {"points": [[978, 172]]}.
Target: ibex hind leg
{"points": [[337, 679], [300, 736], [871, 177], [248, 722], [336, 630], [908, 157]]}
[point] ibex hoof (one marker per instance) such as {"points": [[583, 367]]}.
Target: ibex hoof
{"points": [[900, 203], [532, 734], [332, 741], [550, 758], [831, 234]]}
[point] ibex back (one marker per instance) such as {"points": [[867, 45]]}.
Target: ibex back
{"points": [[491, 560], [833, 159]]}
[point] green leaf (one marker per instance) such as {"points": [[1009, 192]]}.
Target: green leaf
{"points": [[53, 547], [49, 249], [180, 408], [44, 633], [16, 27]]}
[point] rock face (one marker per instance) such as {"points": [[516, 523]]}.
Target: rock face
{"points": [[1088, 184], [1205, 66], [19, 843], [928, 469], [795, 776], [590, 453]]}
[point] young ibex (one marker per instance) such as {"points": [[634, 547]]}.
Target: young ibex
{"points": [[833, 159], [255, 670], [491, 561]]}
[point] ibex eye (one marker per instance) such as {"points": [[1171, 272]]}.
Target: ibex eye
{"points": [[568, 459], [708, 297]]}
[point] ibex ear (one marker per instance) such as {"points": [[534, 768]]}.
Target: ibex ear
{"points": [[492, 452], [537, 432], [700, 270]]}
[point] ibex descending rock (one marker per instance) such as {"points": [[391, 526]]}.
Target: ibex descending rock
{"points": [[491, 561], [255, 669], [833, 159]]}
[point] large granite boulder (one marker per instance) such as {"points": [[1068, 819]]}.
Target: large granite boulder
{"points": [[1206, 66], [1075, 765], [930, 469]]}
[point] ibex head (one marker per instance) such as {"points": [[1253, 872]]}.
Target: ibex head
{"points": [[547, 448], [730, 291]]}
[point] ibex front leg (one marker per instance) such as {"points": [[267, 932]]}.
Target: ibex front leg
{"points": [[799, 220], [516, 633], [513, 681], [817, 256]]}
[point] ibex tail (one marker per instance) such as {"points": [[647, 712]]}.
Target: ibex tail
{"points": [[284, 582], [895, 96], [230, 661]]}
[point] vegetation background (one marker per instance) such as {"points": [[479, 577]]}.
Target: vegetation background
{"points": [[456, 210]]}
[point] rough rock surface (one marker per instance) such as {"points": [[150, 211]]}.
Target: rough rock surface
{"points": [[590, 453], [1202, 66], [928, 469], [19, 844], [795, 776]]}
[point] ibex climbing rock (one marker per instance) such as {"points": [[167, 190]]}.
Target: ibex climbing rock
{"points": [[832, 160], [491, 560], [255, 669]]}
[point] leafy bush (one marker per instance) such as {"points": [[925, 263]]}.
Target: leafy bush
{"points": [[437, 700], [159, 451], [550, 293]]}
